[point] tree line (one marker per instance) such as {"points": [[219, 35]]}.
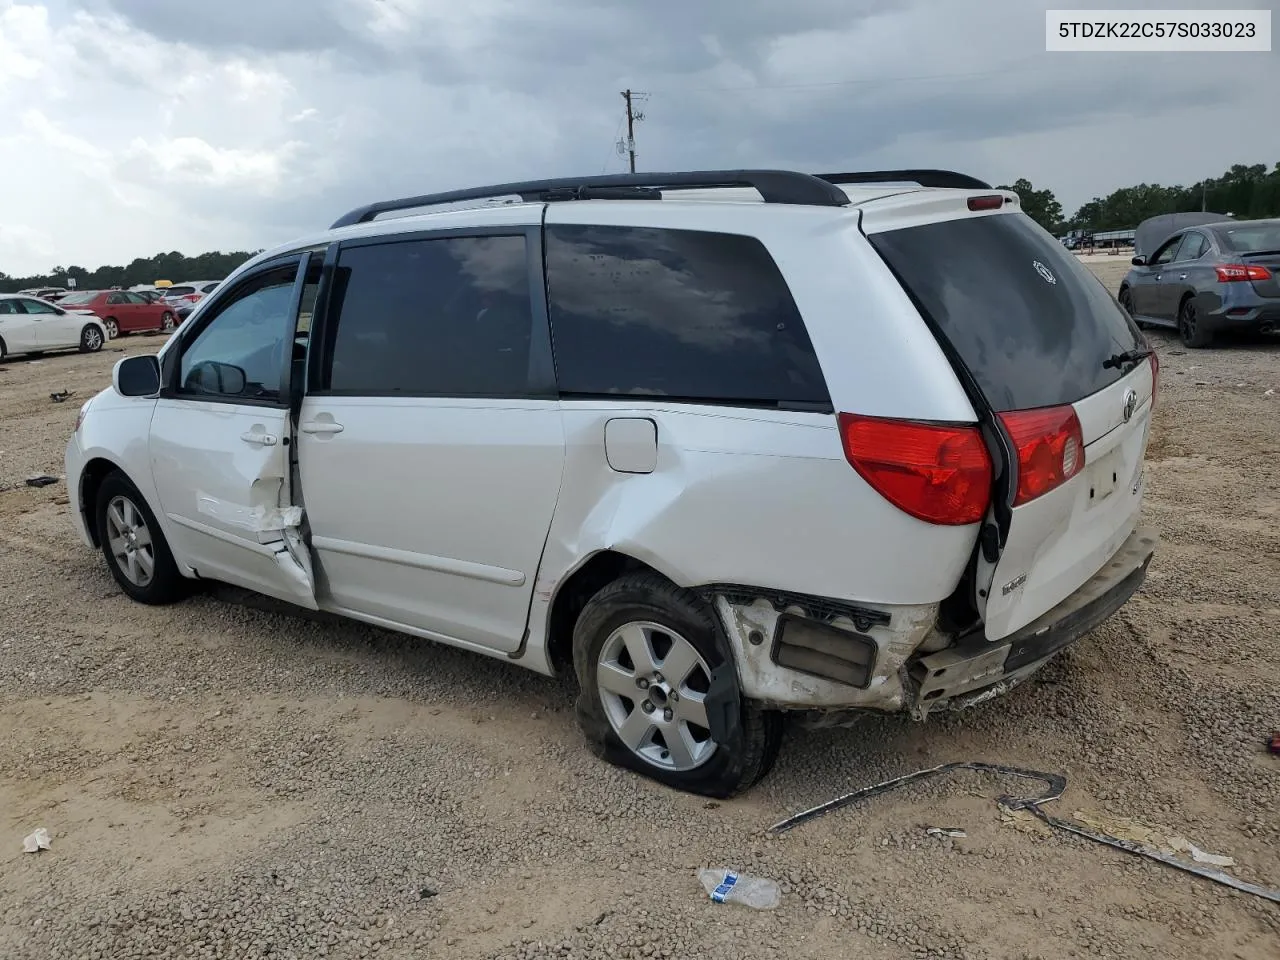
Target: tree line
{"points": [[1246, 191], [163, 266]]}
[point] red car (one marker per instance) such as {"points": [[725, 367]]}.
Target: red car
{"points": [[122, 311]]}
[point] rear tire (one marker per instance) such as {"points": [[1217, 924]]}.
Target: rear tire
{"points": [[90, 339], [167, 322], [636, 716], [113, 327], [136, 551], [1191, 326]]}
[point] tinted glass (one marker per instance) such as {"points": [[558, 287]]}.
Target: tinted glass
{"points": [[1256, 238], [447, 317], [179, 291], [1030, 321], [682, 314], [71, 299], [135, 298], [242, 351], [38, 306], [1166, 253], [9, 307], [1193, 245]]}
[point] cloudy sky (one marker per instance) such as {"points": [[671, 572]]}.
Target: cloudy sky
{"points": [[130, 127]]}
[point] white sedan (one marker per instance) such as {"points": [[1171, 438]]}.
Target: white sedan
{"points": [[30, 325]]}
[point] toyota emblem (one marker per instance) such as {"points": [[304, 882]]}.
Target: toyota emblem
{"points": [[1130, 404]]}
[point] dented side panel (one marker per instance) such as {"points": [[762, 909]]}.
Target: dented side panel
{"points": [[758, 498], [226, 499]]}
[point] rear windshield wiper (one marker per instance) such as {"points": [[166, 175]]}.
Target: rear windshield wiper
{"points": [[1119, 360]]}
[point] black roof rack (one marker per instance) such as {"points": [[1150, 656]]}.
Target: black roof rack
{"points": [[926, 178], [775, 186]]}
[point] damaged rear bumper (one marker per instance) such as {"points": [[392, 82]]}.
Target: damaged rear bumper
{"points": [[872, 659], [977, 670]]}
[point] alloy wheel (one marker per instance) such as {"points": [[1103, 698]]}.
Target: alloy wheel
{"points": [[130, 541], [653, 685]]}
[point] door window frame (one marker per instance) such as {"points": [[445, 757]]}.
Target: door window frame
{"points": [[542, 376], [171, 365]]}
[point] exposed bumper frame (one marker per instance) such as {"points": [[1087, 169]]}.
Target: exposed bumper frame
{"points": [[978, 670]]}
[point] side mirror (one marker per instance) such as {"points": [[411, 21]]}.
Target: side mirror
{"points": [[222, 379], [1139, 261], [137, 376]]}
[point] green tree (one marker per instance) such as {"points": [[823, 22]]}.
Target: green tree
{"points": [[1040, 205]]}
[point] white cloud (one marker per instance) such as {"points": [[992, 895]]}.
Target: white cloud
{"points": [[136, 126]]}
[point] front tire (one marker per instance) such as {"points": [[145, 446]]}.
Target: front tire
{"points": [[645, 652], [1126, 301], [90, 339], [113, 327], [136, 551], [1191, 326]]}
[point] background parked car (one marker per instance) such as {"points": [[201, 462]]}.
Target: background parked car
{"points": [[1207, 279], [45, 293], [123, 311], [30, 325], [193, 291]]}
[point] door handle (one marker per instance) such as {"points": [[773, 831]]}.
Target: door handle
{"points": [[1182, 276], [321, 426], [258, 439]]}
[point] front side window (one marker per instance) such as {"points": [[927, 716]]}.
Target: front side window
{"points": [[1166, 253], [38, 306], [241, 352], [8, 308], [677, 314], [1193, 245], [433, 317]]}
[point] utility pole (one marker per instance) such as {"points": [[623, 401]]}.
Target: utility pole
{"points": [[633, 118]]}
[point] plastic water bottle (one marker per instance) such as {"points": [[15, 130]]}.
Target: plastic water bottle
{"points": [[729, 886]]}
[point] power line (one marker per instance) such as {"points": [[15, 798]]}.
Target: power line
{"points": [[613, 144]]}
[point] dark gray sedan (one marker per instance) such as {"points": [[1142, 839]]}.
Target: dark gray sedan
{"points": [[1208, 279]]}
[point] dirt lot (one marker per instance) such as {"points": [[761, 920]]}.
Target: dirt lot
{"points": [[223, 782]]}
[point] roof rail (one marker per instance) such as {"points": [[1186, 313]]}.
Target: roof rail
{"points": [[926, 178], [775, 186]]}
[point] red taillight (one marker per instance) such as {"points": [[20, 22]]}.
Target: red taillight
{"points": [[1050, 447], [993, 202], [939, 474], [1155, 376], [1235, 272]]}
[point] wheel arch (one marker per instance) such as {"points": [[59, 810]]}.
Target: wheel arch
{"points": [[91, 477], [572, 593]]}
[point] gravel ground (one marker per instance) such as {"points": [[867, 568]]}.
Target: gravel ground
{"points": [[220, 781]]}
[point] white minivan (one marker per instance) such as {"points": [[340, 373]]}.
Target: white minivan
{"points": [[725, 445]]}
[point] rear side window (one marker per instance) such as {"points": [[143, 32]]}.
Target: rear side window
{"points": [[436, 317], [1030, 322], [676, 314]]}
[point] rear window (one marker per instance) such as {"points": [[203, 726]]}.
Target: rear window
{"points": [[1263, 238], [71, 299], [678, 315], [179, 291], [1031, 323]]}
